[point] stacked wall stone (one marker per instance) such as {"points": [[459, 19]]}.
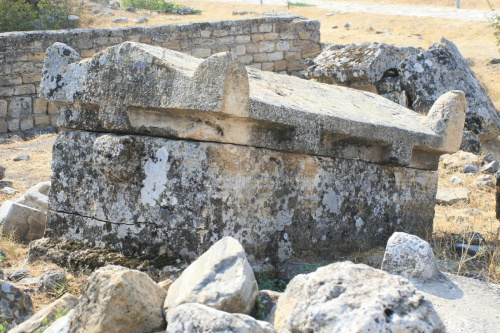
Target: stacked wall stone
{"points": [[277, 44]]}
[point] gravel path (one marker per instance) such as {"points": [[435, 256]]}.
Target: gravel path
{"points": [[373, 8]]}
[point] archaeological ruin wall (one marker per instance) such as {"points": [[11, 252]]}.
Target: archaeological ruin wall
{"points": [[278, 44]]}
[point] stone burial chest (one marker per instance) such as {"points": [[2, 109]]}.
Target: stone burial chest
{"points": [[162, 154]]}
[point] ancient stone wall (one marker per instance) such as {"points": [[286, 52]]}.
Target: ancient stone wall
{"points": [[272, 44]]}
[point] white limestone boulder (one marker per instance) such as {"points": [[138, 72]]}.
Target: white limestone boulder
{"points": [[195, 318], [25, 223], [345, 297], [409, 256], [120, 300], [47, 314], [220, 278]]}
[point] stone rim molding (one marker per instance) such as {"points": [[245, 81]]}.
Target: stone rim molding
{"points": [[169, 94]]}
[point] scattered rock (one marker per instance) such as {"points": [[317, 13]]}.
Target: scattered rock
{"points": [[16, 305], [369, 28], [2, 172], [2, 254], [488, 158], [140, 20], [62, 324], [380, 32], [443, 68], [9, 190], [26, 223], [52, 281], [37, 196], [220, 278], [471, 143], [486, 184], [2, 275], [451, 196], [47, 314], [19, 274], [375, 260], [485, 177], [470, 169], [409, 256], [118, 299], [347, 26], [335, 27], [358, 64], [456, 180], [467, 249], [193, 318], [333, 299], [491, 167], [23, 157], [165, 284], [264, 303], [73, 17], [495, 61], [28, 282], [187, 11], [120, 19], [131, 9]]}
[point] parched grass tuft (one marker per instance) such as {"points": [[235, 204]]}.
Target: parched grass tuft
{"points": [[166, 7], [299, 4]]}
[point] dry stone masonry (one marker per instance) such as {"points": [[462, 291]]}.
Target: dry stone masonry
{"points": [[277, 44], [164, 154]]}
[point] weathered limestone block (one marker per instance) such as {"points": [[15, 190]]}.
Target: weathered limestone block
{"points": [[16, 305], [168, 154], [345, 297], [26, 223], [220, 278], [442, 68], [410, 257], [193, 318], [47, 314], [118, 299], [358, 64]]}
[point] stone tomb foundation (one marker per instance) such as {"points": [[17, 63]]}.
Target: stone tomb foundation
{"points": [[291, 168]]}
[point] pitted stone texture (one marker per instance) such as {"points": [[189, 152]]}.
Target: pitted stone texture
{"points": [[442, 68], [358, 64], [344, 297], [16, 306], [409, 256], [24, 222], [278, 205], [220, 278], [165, 93], [194, 318], [119, 300], [46, 315]]}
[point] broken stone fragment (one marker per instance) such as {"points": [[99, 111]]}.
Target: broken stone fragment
{"points": [[16, 305], [409, 256], [119, 300], [220, 278], [333, 299], [47, 315], [470, 169], [2, 172], [491, 167], [26, 223], [451, 196], [62, 324], [37, 196], [52, 281], [194, 318]]}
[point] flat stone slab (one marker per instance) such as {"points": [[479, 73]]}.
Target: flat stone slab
{"points": [[451, 196], [160, 92]]}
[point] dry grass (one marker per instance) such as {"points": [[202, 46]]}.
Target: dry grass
{"points": [[467, 4]]}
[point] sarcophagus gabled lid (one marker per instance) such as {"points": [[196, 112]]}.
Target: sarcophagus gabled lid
{"points": [[141, 89]]}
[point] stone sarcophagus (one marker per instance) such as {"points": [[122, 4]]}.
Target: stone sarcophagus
{"points": [[163, 154]]}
